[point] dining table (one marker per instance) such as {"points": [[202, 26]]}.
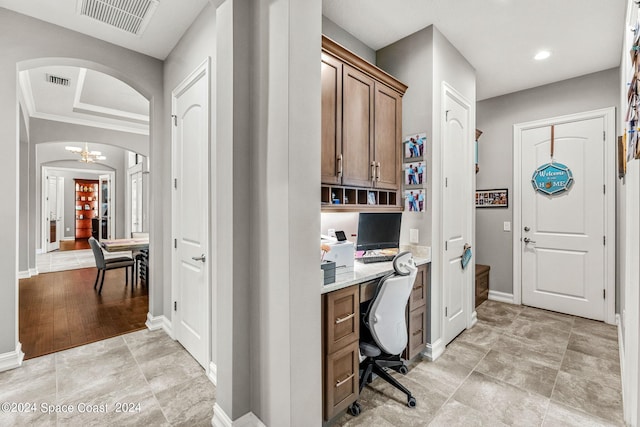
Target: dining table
{"points": [[120, 245]]}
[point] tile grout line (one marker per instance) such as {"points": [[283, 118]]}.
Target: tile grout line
{"points": [[145, 379]]}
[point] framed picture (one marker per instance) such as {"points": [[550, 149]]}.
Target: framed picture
{"points": [[414, 146], [492, 198], [415, 200], [371, 198], [415, 173], [622, 156]]}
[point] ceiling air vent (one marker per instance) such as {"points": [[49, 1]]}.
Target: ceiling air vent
{"points": [[57, 80], [131, 16]]}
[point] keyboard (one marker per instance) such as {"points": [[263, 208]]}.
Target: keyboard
{"points": [[376, 258]]}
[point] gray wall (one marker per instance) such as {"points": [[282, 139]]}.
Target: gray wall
{"points": [[29, 43], [346, 39], [23, 247], [424, 61], [496, 117]]}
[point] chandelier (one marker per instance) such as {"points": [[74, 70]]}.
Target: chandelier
{"points": [[86, 155]]}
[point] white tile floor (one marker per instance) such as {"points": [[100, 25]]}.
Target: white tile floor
{"points": [[70, 260]]}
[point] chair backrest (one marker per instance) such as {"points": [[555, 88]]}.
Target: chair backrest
{"points": [[97, 252], [386, 314], [139, 235]]}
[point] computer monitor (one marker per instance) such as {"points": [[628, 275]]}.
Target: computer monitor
{"points": [[378, 230]]}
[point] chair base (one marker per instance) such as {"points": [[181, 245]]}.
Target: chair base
{"points": [[379, 367]]}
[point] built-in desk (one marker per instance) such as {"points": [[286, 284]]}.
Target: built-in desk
{"points": [[341, 328]]}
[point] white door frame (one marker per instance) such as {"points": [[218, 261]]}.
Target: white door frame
{"points": [[128, 225], [448, 90], [44, 205], [111, 214], [608, 115], [209, 267]]}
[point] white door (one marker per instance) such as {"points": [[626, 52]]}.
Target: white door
{"points": [[191, 317], [456, 213], [106, 214], [562, 235], [54, 205], [136, 198]]}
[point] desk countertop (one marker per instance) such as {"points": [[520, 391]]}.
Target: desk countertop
{"points": [[363, 273]]}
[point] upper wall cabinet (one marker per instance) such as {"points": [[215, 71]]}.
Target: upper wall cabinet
{"points": [[361, 131]]}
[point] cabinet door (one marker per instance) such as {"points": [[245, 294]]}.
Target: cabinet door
{"points": [[388, 125], [418, 296], [357, 127], [417, 329], [341, 383], [331, 120]]}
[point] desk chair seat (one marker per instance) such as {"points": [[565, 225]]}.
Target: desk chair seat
{"points": [[384, 329], [109, 264]]}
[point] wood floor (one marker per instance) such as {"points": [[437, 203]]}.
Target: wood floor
{"points": [[62, 310], [74, 245]]}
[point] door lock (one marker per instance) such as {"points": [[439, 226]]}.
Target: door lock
{"points": [[528, 240], [527, 229]]}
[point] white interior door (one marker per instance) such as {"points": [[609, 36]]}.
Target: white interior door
{"points": [[191, 316], [54, 211], [136, 197], [456, 214], [106, 213], [562, 236]]}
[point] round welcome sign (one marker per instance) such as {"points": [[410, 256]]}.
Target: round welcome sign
{"points": [[552, 178]]}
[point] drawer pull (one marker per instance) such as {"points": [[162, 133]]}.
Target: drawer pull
{"points": [[419, 331], [339, 383], [344, 319]]}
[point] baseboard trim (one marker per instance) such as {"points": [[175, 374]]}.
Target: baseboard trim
{"points": [[433, 351], [501, 297], [474, 319], [24, 274], [12, 359], [34, 271], [221, 419], [154, 323], [213, 373]]}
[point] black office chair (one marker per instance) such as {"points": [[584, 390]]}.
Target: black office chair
{"points": [[385, 321], [109, 264]]}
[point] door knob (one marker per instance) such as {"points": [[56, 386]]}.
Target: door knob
{"points": [[199, 258], [527, 229], [528, 240]]}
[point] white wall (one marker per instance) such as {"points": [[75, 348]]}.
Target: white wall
{"points": [[496, 117], [24, 42]]}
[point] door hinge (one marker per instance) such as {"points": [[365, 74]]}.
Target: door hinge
{"points": [[446, 115], [175, 306], [604, 135], [175, 183], [446, 311], [446, 246], [446, 182], [175, 119], [604, 189], [604, 240], [175, 243], [604, 294]]}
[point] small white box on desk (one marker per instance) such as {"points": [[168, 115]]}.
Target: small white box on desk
{"points": [[342, 254]]}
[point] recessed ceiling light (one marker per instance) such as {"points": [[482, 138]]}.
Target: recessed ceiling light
{"points": [[543, 54]]}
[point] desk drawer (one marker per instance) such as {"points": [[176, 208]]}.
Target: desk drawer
{"points": [[342, 318], [418, 296], [417, 330], [341, 386]]}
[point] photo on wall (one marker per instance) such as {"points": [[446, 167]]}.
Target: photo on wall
{"points": [[415, 201], [414, 146], [415, 173], [492, 198]]}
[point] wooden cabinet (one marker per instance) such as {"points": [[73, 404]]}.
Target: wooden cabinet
{"points": [[340, 349], [86, 206], [482, 283], [361, 130], [417, 313]]}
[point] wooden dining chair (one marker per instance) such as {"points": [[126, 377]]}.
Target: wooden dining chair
{"points": [[109, 264]]}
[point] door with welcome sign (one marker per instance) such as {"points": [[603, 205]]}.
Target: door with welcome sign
{"points": [[563, 222]]}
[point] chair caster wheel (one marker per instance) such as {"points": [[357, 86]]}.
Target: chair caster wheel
{"points": [[355, 409], [403, 370], [411, 402]]}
